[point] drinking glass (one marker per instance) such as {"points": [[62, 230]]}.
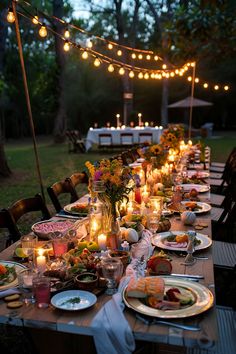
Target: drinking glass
{"points": [[140, 250], [28, 243], [112, 269], [153, 221], [25, 283], [41, 289]]}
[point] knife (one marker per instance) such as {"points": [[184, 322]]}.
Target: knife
{"points": [[190, 276], [69, 216], [151, 321]]}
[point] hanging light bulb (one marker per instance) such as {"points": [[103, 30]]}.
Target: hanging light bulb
{"points": [[152, 75], [177, 71], [205, 85], [163, 74], [89, 44], [110, 46], [156, 57], [192, 64], [67, 33], [121, 71], [216, 87], [190, 78], [181, 73], [133, 56], [164, 66], [10, 16], [148, 57], [140, 56], [140, 75], [84, 54], [172, 74], [185, 67], [96, 62], [146, 76], [226, 88], [35, 20], [131, 74], [66, 46], [43, 31], [110, 68], [119, 53], [167, 75], [196, 80], [156, 76]]}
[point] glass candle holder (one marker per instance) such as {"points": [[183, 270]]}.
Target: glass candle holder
{"points": [[41, 259]]}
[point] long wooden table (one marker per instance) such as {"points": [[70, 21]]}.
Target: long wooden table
{"points": [[79, 323]]}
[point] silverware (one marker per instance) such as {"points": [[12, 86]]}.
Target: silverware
{"points": [[151, 321], [190, 276], [69, 216]]}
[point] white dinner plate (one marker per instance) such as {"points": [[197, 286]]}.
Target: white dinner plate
{"points": [[199, 174], [68, 208], [199, 187], [135, 164], [203, 300], [64, 300], [158, 240], [203, 207], [18, 267]]}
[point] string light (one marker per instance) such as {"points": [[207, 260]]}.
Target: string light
{"points": [[89, 44], [205, 85], [110, 68], [10, 16], [146, 76], [156, 57], [67, 33], [216, 87], [84, 54], [196, 80], [131, 74], [121, 71], [35, 20], [43, 31], [189, 78], [119, 53], [133, 56], [140, 75], [148, 57], [96, 62], [164, 66], [226, 87], [110, 46], [140, 56], [66, 46], [172, 74]]}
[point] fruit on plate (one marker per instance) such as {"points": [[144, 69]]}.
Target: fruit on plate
{"points": [[131, 235], [193, 193], [19, 252], [164, 225], [181, 238], [159, 265], [92, 246]]}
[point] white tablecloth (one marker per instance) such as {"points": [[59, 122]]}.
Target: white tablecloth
{"points": [[93, 134]]}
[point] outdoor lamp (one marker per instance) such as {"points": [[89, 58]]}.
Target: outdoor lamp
{"points": [[67, 33], [10, 16], [66, 46], [110, 68], [35, 20], [97, 62], [85, 55], [121, 71], [110, 46], [43, 31]]}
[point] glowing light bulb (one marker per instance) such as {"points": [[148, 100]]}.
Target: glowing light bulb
{"points": [[156, 57], [133, 56], [196, 80], [89, 44], [172, 74], [163, 74], [216, 87], [140, 75], [66, 46], [140, 56], [110, 46], [121, 71], [10, 16], [190, 78], [164, 66], [185, 68], [119, 53], [67, 33], [152, 75], [35, 20], [84, 55], [205, 85], [181, 73], [177, 71], [148, 57], [192, 65], [111, 68], [156, 76], [43, 31], [146, 76], [96, 62], [167, 75], [131, 74], [226, 88], [159, 76]]}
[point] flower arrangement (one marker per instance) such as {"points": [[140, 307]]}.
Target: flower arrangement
{"points": [[172, 136], [155, 154]]}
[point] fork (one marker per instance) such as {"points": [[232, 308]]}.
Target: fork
{"points": [[151, 321]]}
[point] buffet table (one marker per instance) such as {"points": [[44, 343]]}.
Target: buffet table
{"points": [[93, 134]]}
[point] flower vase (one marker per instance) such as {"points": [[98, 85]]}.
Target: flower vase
{"points": [[112, 229]]}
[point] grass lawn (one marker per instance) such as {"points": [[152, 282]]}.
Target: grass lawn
{"points": [[57, 163]]}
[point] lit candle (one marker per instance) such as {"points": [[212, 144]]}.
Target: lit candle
{"points": [[102, 242], [190, 143], [171, 158], [27, 280], [118, 120], [130, 208], [139, 119], [146, 124], [145, 194], [41, 261]]}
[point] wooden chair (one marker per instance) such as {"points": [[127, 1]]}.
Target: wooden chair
{"points": [[58, 188], [76, 143], [145, 137], [7, 222], [127, 157], [126, 139], [105, 140], [219, 166], [78, 179]]}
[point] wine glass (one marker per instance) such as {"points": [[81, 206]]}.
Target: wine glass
{"points": [[112, 269], [153, 221]]}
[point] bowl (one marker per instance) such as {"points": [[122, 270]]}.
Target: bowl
{"points": [[86, 281], [123, 255], [44, 229]]}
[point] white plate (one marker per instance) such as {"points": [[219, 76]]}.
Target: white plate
{"points": [[204, 207], [135, 164], [53, 224], [203, 300], [68, 207], [87, 299], [18, 267], [199, 174], [199, 187], [158, 239]]}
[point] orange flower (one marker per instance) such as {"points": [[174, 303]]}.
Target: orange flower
{"points": [[3, 269]]}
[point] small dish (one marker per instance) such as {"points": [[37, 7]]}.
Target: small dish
{"points": [[73, 300], [86, 281], [123, 255]]}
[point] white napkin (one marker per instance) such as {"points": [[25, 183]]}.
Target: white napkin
{"points": [[111, 331], [7, 292], [146, 238]]}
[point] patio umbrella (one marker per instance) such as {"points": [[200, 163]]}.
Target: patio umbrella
{"points": [[188, 102]]}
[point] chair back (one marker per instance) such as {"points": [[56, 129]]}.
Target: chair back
{"points": [[126, 139], [104, 139], [145, 137], [127, 157], [7, 222], [58, 188]]}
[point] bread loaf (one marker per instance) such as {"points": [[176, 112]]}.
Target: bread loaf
{"points": [[143, 287]]}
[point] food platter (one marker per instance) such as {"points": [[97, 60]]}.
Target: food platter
{"points": [[198, 174], [44, 228], [66, 300], [200, 188], [158, 240], [77, 208], [18, 268], [200, 207], [203, 300]]}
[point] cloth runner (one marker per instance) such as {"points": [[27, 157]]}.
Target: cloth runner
{"points": [[8, 292], [111, 331]]}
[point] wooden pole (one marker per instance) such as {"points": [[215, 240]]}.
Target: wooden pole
{"points": [[191, 102], [18, 36]]}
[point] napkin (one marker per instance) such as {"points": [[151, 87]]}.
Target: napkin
{"points": [[111, 331], [7, 292]]}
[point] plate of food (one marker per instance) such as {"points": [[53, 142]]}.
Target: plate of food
{"points": [[73, 300], [77, 208], [43, 229], [196, 207], [198, 174], [167, 297], [8, 274], [200, 188], [178, 241]]}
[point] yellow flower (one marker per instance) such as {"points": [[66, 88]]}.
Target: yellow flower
{"points": [[90, 168]]}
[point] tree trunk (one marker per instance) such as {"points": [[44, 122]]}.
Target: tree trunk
{"points": [[60, 123], [4, 169]]}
